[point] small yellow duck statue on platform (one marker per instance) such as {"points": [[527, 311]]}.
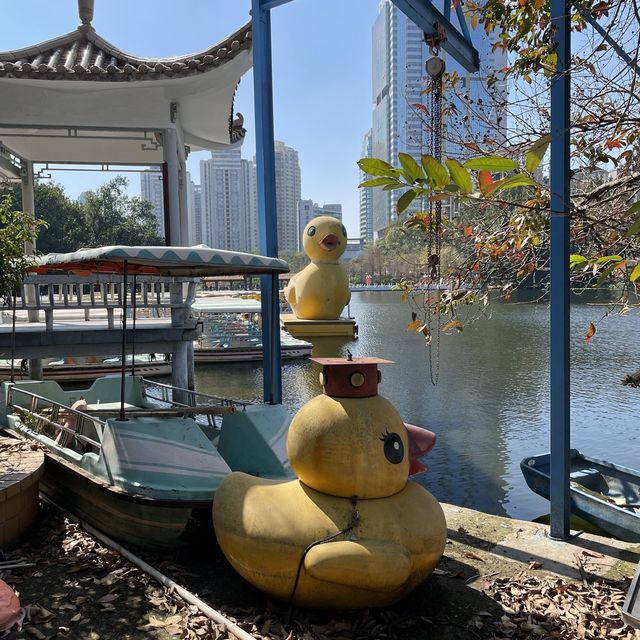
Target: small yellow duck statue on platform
{"points": [[350, 532], [321, 290]]}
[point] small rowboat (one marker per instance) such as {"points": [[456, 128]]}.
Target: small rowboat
{"points": [[602, 493]]}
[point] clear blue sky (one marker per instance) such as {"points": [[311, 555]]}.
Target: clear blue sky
{"points": [[321, 62]]}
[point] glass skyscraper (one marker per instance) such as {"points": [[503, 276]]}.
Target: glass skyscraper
{"points": [[399, 82]]}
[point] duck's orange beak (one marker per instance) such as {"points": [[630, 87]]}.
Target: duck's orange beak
{"points": [[421, 441]]}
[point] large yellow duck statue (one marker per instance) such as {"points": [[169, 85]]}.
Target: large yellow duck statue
{"points": [[351, 531], [321, 290]]}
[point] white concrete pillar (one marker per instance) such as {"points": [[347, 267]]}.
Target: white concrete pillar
{"points": [[180, 354], [185, 231], [171, 157], [28, 206]]}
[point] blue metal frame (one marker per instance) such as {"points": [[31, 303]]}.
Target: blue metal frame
{"points": [[427, 17], [607, 37], [560, 301], [267, 206]]}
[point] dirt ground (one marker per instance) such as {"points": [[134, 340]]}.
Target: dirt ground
{"points": [[493, 582]]}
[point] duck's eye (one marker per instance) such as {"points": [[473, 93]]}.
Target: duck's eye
{"points": [[393, 447], [311, 231], [344, 231]]}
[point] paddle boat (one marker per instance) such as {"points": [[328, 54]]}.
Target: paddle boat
{"points": [[140, 460], [232, 331], [602, 493]]}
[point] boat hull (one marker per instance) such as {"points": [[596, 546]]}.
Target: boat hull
{"points": [[588, 477], [130, 519]]}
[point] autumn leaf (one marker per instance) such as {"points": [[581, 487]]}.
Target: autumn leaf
{"points": [[591, 331], [454, 324], [484, 182]]}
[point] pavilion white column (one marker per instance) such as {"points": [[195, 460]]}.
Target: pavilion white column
{"points": [[180, 354], [28, 206], [185, 232], [170, 146]]}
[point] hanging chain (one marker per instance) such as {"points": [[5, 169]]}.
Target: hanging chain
{"points": [[435, 68]]}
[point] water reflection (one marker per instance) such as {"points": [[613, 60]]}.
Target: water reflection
{"points": [[490, 407]]}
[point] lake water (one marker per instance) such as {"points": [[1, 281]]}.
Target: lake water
{"points": [[490, 407]]}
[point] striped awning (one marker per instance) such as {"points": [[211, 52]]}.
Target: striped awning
{"points": [[168, 261]]}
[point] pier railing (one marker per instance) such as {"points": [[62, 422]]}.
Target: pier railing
{"points": [[51, 293]]}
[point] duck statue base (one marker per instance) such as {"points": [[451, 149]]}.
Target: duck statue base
{"points": [[391, 546], [350, 532]]}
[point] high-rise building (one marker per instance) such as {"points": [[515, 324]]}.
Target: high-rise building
{"points": [[194, 211], [366, 196], [288, 190], [225, 210], [248, 168], [399, 55], [308, 209], [151, 190]]}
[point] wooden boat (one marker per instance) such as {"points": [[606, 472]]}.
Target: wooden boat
{"points": [[82, 369], [139, 464], [602, 493], [233, 332]]}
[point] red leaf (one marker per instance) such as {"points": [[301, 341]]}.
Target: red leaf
{"points": [[421, 107], [473, 146], [484, 181], [591, 331]]}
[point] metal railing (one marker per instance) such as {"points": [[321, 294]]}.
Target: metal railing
{"points": [[204, 405], [35, 418]]}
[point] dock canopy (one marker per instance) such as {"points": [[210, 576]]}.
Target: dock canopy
{"points": [[194, 261]]}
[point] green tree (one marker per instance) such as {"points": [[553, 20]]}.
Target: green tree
{"points": [[63, 217], [112, 217], [16, 228], [297, 260]]}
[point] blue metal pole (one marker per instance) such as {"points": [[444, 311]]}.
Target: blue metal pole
{"points": [[560, 301], [266, 187]]}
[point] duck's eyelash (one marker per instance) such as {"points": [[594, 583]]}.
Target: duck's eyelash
{"points": [[385, 435]]}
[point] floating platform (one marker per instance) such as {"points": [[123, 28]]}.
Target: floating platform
{"points": [[342, 327], [21, 467]]}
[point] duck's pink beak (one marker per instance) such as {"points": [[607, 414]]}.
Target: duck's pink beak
{"points": [[421, 441], [330, 242]]}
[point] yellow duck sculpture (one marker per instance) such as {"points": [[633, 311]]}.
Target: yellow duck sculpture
{"points": [[351, 531], [321, 290]]}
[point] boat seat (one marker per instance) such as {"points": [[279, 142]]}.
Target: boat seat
{"points": [[589, 478]]}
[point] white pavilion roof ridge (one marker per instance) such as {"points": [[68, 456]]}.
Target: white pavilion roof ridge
{"points": [[84, 55]]}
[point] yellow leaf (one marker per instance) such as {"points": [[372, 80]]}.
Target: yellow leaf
{"points": [[416, 325], [591, 331], [454, 324], [635, 274]]}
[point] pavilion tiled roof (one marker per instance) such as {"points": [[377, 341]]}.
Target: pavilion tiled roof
{"points": [[84, 55]]}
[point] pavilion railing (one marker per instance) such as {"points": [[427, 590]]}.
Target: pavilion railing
{"points": [[53, 293]]}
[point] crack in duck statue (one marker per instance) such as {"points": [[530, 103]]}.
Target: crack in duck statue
{"points": [[351, 531], [321, 290]]}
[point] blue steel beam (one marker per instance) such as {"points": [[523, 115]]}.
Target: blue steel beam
{"points": [[267, 5], [560, 301], [607, 37], [426, 17], [266, 187]]}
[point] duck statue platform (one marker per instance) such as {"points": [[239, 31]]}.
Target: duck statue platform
{"points": [[351, 531], [320, 292]]}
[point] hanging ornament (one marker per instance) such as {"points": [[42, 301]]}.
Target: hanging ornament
{"points": [[435, 68]]}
